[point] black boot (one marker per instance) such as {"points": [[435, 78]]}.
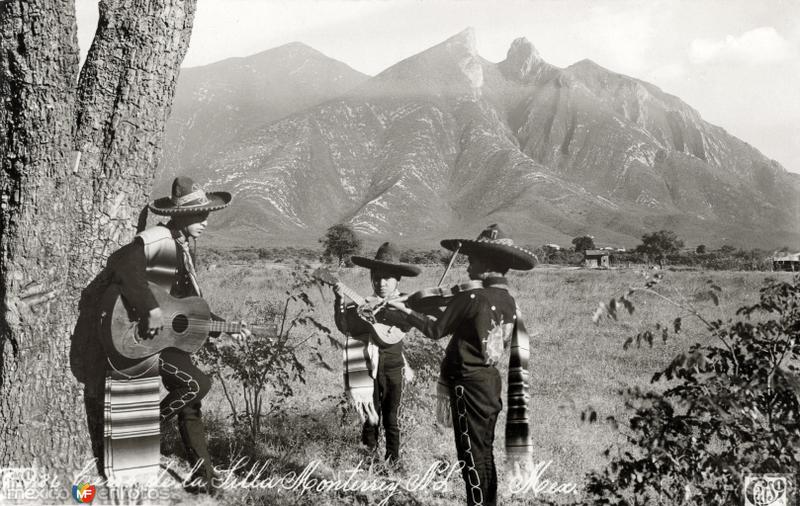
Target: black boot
{"points": [[93, 396], [369, 436], [193, 434]]}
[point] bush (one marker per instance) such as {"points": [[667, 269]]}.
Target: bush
{"points": [[269, 363], [730, 407]]}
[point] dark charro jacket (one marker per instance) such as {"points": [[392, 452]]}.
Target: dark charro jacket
{"points": [[480, 321], [132, 266], [129, 270]]}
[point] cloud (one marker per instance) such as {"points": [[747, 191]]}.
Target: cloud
{"points": [[760, 45]]}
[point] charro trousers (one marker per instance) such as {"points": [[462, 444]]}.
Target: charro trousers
{"points": [[387, 395], [475, 404], [186, 385]]}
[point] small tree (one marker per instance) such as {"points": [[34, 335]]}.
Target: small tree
{"points": [[660, 244], [340, 241], [266, 364], [582, 243], [701, 249]]}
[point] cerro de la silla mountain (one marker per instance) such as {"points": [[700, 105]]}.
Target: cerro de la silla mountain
{"points": [[446, 142]]}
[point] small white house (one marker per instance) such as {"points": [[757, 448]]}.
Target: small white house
{"points": [[786, 262]]}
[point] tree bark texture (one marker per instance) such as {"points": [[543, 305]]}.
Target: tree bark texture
{"points": [[61, 219], [39, 65], [124, 99]]}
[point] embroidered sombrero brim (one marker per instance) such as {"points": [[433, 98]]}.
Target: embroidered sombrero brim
{"points": [[503, 253], [166, 207], [400, 269]]}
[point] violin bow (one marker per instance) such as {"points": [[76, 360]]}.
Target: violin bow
{"points": [[450, 264]]}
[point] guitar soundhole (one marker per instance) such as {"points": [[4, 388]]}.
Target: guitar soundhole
{"points": [[180, 323]]}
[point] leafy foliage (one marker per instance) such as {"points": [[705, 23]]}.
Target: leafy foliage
{"points": [[340, 242], [659, 244], [729, 406], [269, 364], [583, 243]]}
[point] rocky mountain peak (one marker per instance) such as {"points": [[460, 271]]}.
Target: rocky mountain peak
{"points": [[445, 141], [522, 61], [451, 67], [462, 43]]}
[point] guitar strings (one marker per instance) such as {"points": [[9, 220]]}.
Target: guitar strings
{"points": [[200, 321]]}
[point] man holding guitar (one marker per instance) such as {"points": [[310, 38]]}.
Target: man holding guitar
{"points": [[160, 256], [374, 364]]}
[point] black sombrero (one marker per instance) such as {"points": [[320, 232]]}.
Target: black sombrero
{"points": [[188, 198], [387, 260], [496, 245]]}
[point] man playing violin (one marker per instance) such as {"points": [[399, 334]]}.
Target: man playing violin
{"points": [[482, 321], [374, 374]]}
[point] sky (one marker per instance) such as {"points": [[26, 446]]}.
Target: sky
{"points": [[736, 61]]}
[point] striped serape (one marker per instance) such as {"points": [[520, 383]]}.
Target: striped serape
{"points": [[519, 446], [360, 361], [132, 436]]}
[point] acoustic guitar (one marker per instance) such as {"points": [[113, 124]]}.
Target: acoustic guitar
{"points": [[383, 334], [187, 323]]}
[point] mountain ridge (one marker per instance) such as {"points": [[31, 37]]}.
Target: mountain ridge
{"points": [[445, 142]]}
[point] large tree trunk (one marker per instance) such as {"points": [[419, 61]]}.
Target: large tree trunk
{"points": [[39, 64], [60, 219], [124, 98]]}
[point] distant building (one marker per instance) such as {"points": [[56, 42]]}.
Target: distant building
{"points": [[786, 262], [553, 246], [596, 258]]}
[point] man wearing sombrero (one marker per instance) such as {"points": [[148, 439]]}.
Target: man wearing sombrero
{"points": [[481, 322], [161, 255], [374, 375]]}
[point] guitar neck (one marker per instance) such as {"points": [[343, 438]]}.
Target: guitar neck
{"points": [[352, 294], [235, 327]]}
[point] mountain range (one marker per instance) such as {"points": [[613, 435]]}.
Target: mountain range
{"points": [[445, 142]]}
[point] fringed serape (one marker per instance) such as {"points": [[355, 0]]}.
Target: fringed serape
{"points": [[518, 438], [132, 435], [359, 360]]}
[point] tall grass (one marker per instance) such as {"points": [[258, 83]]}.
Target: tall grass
{"points": [[574, 365]]}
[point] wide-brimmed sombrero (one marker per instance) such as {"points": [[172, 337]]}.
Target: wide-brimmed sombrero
{"points": [[495, 244], [387, 260], [189, 198]]}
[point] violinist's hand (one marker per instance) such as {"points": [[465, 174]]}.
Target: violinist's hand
{"points": [[399, 305]]}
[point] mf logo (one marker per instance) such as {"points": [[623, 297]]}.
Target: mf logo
{"points": [[83, 492], [767, 490]]}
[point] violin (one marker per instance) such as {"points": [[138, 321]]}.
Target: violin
{"points": [[433, 301]]}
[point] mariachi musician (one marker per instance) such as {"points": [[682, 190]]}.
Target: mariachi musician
{"points": [[161, 255], [374, 373], [482, 321]]}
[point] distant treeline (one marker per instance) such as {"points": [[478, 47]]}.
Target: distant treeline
{"points": [[724, 258], [283, 255]]}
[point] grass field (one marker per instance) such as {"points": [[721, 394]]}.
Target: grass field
{"points": [[575, 365]]}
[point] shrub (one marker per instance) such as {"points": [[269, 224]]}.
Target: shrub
{"points": [[730, 407], [269, 363]]}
